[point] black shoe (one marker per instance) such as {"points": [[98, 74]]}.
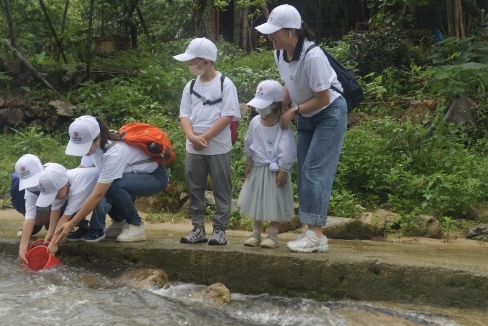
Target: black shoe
{"points": [[77, 234]]}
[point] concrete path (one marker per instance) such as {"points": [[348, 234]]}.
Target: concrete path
{"points": [[414, 270]]}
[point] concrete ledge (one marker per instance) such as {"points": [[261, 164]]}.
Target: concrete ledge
{"points": [[431, 273]]}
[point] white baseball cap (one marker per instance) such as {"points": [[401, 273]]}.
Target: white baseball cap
{"points": [[28, 168], [284, 16], [82, 133], [267, 92], [51, 179], [199, 48]]}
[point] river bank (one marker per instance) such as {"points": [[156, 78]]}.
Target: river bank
{"points": [[406, 270]]}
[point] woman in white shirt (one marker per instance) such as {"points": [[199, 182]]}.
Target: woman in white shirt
{"points": [[322, 116], [125, 171]]}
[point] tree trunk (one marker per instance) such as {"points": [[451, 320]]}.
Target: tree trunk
{"points": [[53, 31], [143, 23], [129, 9], [63, 24], [460, 18], [89, 41], [245, 30], [65, 13], [11, 31], [198, 13], [237, 26]]}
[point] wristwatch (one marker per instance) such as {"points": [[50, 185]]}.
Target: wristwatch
{"points": [[297, 110]]}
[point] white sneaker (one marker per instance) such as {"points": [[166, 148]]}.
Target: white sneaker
{"points": [[308, 242], [132, 233], [253, 241], [114, 229], [269, 242]]}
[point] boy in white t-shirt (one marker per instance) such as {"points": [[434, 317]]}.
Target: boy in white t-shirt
{"points": [[28, 169], [71, 186], [208, 105]]}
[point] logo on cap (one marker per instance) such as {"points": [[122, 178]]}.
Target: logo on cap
{"points": [[22, 169], [260, 89]]}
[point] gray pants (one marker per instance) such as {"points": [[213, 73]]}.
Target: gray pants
{"points": [[197, 168]]}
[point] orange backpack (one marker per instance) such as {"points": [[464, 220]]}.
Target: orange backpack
{"points": [[150, 139]]}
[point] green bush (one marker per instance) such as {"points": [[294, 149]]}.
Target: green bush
{"points": [[380, 49]]}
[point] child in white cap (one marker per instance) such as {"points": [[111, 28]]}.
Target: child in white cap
{"points": [[208, 104], [59, 186], [27, 171], [267, 193]]}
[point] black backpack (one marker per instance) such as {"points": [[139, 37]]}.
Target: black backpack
{"points": [[233, 124], [353, 92]]}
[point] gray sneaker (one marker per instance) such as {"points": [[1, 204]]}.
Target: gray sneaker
{"points": [[197, 235], [218, 238], [114, 229]]}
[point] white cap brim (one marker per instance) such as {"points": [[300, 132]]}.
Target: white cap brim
{"points": [[183, 57], [45, 200], [77, 149], [259, 103], [29, 182], [267, 28]]}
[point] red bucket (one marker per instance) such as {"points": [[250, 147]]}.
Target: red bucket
{"points": [[39, 258]]}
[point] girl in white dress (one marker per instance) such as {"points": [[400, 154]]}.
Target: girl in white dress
{"points": [[267, 193]]}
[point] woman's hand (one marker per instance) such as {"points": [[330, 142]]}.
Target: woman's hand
{"points": [[22, 258], [281, 178], [62, 232], [286, 118], [52, 248], [49, 237], [248, 169]]}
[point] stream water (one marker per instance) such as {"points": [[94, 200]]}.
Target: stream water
{"points": [[80, 296]]}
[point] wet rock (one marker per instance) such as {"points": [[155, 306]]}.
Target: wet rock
{"points": [[478, 232], [216, 292], [2, 102], [419, 111], [429, 227], [3, 116], [52, 123], [45, 113], [93, 281], [347, 228], [36, 123], [15, 115], [64, 109], [290, 226], [144, 277], [14, 103]]}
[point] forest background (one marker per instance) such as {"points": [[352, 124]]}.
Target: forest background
{"points": [[409, 165]]}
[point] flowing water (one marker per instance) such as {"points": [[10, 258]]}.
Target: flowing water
{"points": [[68, 295]]}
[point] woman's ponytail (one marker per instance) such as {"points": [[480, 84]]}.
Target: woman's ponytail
{"points": [[105, 134], [306, 32]]}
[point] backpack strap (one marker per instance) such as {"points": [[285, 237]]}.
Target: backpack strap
{"points": [[326, 54], [204, 100]]}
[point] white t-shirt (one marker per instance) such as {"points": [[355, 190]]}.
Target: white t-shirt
{"points": [[270, 145], [30, 204], [202, 117], [81, 183], [309, 74], [117, 160]]}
